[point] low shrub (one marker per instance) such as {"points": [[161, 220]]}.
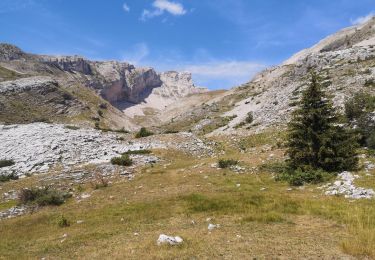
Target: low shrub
{"points": [[100, 113], [67, 96], [143, 132], [99, 182], [296, 177], [226, 163], [371, 141], [42, 196], [5, 178], [249, 118], [123, 160], [6, 163], [300, 177], [171, 132], [103, 106], [63, 222], [72, 127], [143, 151]]}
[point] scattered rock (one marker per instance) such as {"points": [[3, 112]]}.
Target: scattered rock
{"points": [[13, 212], [344, 186], [164, 239], [212, 226]]}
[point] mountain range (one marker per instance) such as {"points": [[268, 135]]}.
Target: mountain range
{"points": [[112, 94]]}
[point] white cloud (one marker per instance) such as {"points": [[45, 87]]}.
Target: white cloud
{"points": [[225, 69], [137, 54], [223, 74], [162, 6], [126, 7], [362, 19], [169, 6]]}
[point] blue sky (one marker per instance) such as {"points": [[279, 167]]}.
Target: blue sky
{"points": [[222, 42]]}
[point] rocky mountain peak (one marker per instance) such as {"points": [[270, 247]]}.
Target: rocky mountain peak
{"points": [[360, 35], [10, 52], [69, 63]]}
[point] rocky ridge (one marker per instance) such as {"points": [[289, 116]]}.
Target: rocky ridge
{"points": [[345, 62], [115, 81], [38, 84]]}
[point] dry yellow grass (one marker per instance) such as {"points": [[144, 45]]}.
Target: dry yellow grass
{"points": [[166, 198]]}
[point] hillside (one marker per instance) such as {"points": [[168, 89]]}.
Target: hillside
{"points": [[79, 179], [345, 61], [124, 89]]}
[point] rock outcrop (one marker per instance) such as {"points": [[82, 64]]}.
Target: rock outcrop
{"points": [[345, 61], [10, 52], [40, 85], [35, 99], [115, 81], [69, 63], [177, 84]]}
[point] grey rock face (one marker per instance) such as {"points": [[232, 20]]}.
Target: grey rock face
{"points": [[10, 52], [37, 84], [69, 63], [344, 69], [113, 80], [177, 84]]}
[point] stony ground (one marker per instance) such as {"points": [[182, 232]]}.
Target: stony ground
{"points": [[236, 213], [38, 147]]}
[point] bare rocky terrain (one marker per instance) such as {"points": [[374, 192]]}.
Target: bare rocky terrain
{"points": [[345, 61]]}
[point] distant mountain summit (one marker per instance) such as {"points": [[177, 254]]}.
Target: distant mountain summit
{"points": [[121, 84]]}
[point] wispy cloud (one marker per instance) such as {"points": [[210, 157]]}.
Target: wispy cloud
{"points": [[7, 6], [223, 74], [206, 70], [162, 6], [136, 54], [126, 7], [362, 19]]}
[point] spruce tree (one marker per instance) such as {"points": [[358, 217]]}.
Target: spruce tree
{"points": [[316, 140]]}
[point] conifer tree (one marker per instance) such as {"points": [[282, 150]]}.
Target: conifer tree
{"points": [[316, 140]]}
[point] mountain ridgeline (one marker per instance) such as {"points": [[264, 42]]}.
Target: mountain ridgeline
{"points": [[90, 83], [132, 97]]}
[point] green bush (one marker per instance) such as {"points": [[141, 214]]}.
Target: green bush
{"points": [[171, 132], [124, 160], [63, 222], [5, 178], [72, 127], [103, 106], [143, 151], [99, 181], [371, 141], [100, 113], [300, 177], [143, 132], [6, 163], [249, 118], [226, 163], [42, 196]]}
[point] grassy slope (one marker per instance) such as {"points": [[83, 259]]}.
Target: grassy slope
{"points": [[6, 74], [273, 223]]}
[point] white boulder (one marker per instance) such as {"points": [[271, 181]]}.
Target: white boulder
{"points": [[164, 239]]}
